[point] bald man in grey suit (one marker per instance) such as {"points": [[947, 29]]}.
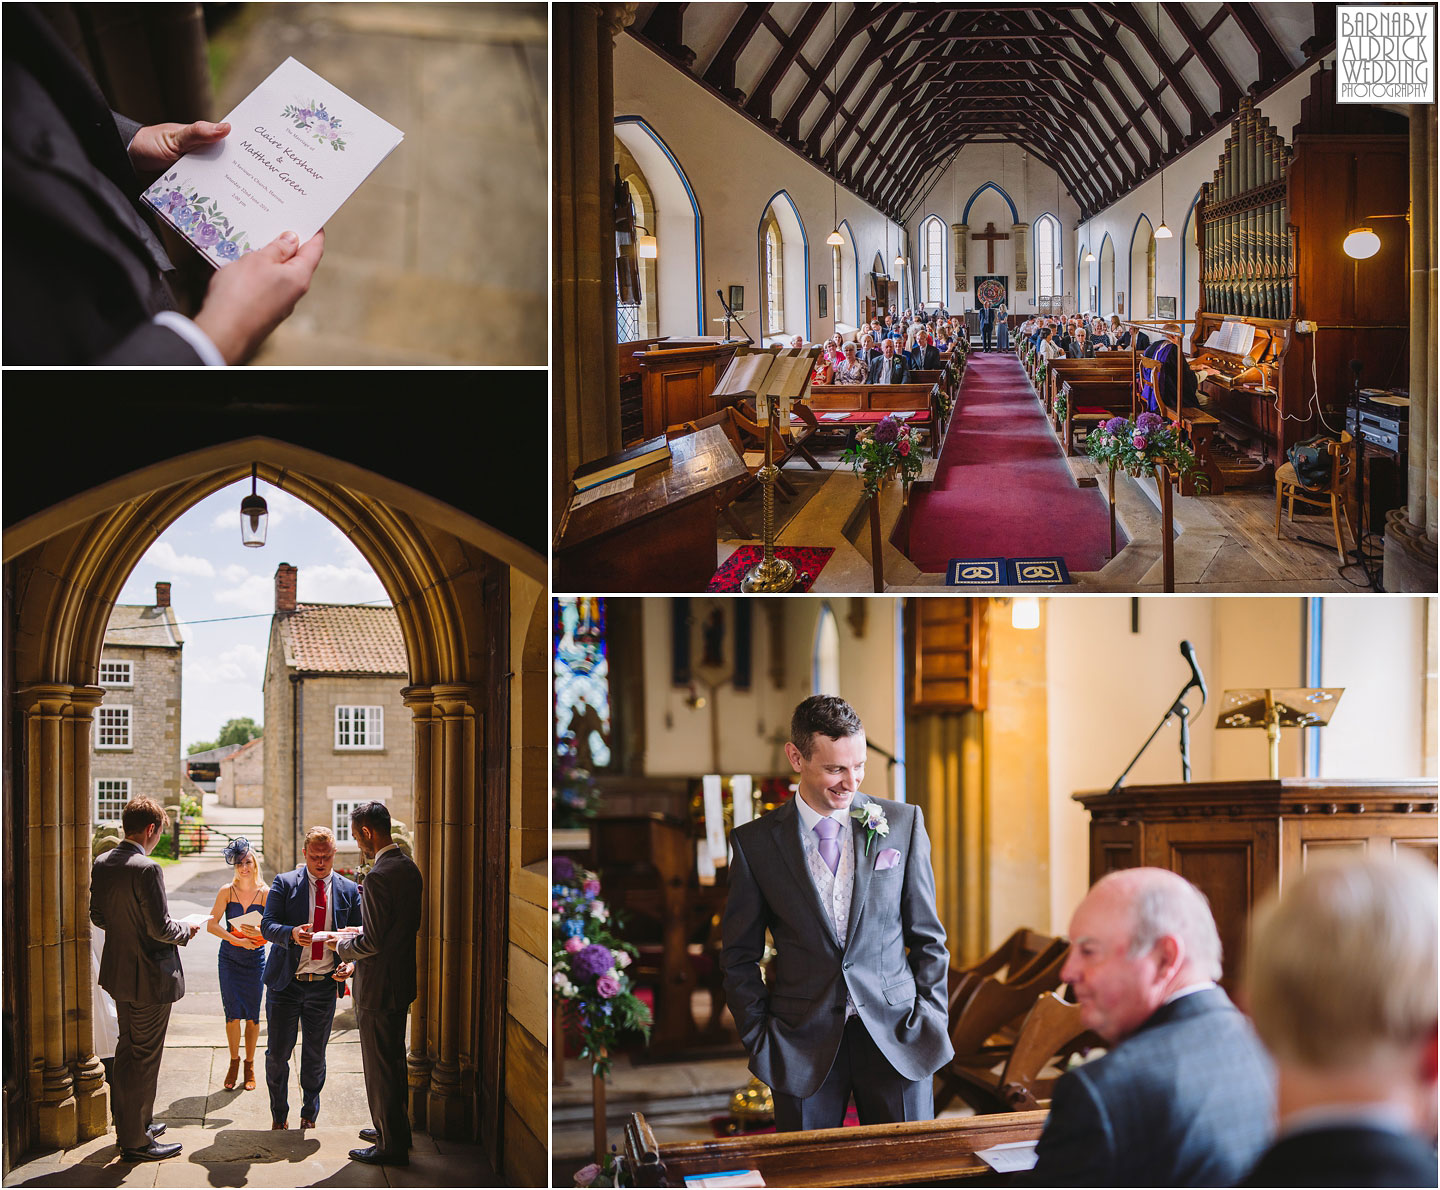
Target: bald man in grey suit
{"points": [[384, 957], [140, 968]]}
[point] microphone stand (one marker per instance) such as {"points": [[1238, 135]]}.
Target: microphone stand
{"points": [[1182, 712], [730, 314]]}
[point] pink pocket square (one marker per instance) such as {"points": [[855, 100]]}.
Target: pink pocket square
{"points": [[887, 859]]}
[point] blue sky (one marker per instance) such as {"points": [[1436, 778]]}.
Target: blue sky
{"points": [[223, 595]]}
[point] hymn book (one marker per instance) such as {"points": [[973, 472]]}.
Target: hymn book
{"points": [[642, 454], [298, 147]]}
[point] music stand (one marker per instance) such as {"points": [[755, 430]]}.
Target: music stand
{"points": [[1274, 708]]}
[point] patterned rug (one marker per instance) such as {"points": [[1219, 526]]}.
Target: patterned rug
{"points": [[809, 562]]}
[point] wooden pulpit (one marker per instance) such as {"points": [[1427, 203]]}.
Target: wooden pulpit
{"points": [[677, 377], [1236, 840]]}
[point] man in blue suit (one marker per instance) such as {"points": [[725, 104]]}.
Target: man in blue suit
{"points": [[304, 977], [1186, 1096], [987, 324]]}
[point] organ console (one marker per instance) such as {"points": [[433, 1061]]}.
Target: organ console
{"points": [[1269, 228]]}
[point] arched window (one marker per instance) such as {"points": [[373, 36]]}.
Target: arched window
{"points": [[774, 280], [636, 322], [1047, 253], [933, 236], [838, 269]]}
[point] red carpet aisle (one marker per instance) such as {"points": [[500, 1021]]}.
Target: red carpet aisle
{"points": [[1002, 486]]}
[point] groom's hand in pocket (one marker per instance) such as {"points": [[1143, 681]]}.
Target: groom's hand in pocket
{"points": [[250, 297]]}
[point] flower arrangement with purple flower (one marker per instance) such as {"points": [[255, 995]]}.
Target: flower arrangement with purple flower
{"points": [[1139, 446], [889, 449], [576, 797], [199, 218], [590, 967], [319, 123]]}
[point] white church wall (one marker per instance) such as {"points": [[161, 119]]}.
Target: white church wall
{"points": [[734, 168], [755, 723], [981, 178], [1377, 655]]}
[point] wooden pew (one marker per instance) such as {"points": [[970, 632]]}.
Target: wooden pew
{"points": [[1051, 1032], [1090, 400], [1102, 367], [921, 1153], [870, 402]]}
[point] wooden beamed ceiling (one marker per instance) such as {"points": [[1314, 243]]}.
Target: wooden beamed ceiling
{"points": [[1104, 94]]}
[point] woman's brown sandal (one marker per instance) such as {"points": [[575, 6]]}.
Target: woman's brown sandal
{"points": [[249, 1076], [231, 1074]]}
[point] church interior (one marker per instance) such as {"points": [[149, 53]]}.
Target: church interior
{"points": [[1010, 722], [733, 179]]}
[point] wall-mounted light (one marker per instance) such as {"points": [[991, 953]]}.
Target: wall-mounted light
{"points": [[254, 515], [646, 247], [1025, 613], [1362, 243]]}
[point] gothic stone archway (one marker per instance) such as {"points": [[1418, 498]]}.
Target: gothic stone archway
{"points": [[460, 607]]}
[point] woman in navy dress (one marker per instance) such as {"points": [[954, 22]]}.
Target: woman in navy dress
{"points": [[242, 960]]}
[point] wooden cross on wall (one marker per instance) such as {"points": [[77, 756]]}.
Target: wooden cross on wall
{"points": [[990, 235]]}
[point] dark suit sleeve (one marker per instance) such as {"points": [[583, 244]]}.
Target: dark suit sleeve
{"points": [[1077, 1147], [742, 930], [95, 915], [274, 929], [126, 128], [924, 935], [376, 911], [154, 913]]}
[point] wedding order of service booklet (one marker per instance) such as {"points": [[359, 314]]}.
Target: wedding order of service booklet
{"points": [[297, 149]]}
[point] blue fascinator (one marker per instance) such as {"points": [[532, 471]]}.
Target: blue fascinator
{"points": [[237, 849]]}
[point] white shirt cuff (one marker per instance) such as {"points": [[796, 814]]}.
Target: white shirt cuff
{"points": [[207, 351]]}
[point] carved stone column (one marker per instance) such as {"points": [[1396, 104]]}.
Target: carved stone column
{"points": [[64, 1080], [442, 1075], [1020, 237], [424, 724], [962, 249], [1410, 532], [586, 400]]}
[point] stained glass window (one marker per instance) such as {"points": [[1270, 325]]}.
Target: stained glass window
{"points": [[582, 682]]}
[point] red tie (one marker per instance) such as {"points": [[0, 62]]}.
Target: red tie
{"points": [[317, 949]]}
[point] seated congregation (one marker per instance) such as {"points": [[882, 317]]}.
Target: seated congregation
{"points": [[1285, 345]]}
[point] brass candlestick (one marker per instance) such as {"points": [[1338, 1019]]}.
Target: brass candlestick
{"points": [[770, 573]]}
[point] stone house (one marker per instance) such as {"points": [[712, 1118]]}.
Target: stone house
{"points": [[242, 775], [337, 730], [135, 742]]}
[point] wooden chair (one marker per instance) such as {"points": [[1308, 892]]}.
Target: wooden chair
{"points": [[1051, 1032], [1342, 460]]}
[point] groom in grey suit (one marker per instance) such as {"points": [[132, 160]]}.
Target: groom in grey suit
{"points": [[847, 1011]]}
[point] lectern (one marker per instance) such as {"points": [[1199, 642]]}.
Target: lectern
{"points": [[1236, 840]]}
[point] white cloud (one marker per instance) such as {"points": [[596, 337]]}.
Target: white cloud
{"points": [[242, 663], [254, 594], [162, 555], [339, 584], [280, 505], [235, 574]]}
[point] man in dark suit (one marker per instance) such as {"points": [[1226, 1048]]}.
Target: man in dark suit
{"points": [[1185, 1097], [140, 968], [987, 324], [384, 954], [855, 999], [85, 275], [1341, 986], [890, 368], [924, 354], [303, 977]]}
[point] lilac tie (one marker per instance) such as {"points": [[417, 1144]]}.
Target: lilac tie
{"points": [[829, 830]]}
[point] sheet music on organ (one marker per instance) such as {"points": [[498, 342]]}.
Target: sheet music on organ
{"points": [[1235, 338]]}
